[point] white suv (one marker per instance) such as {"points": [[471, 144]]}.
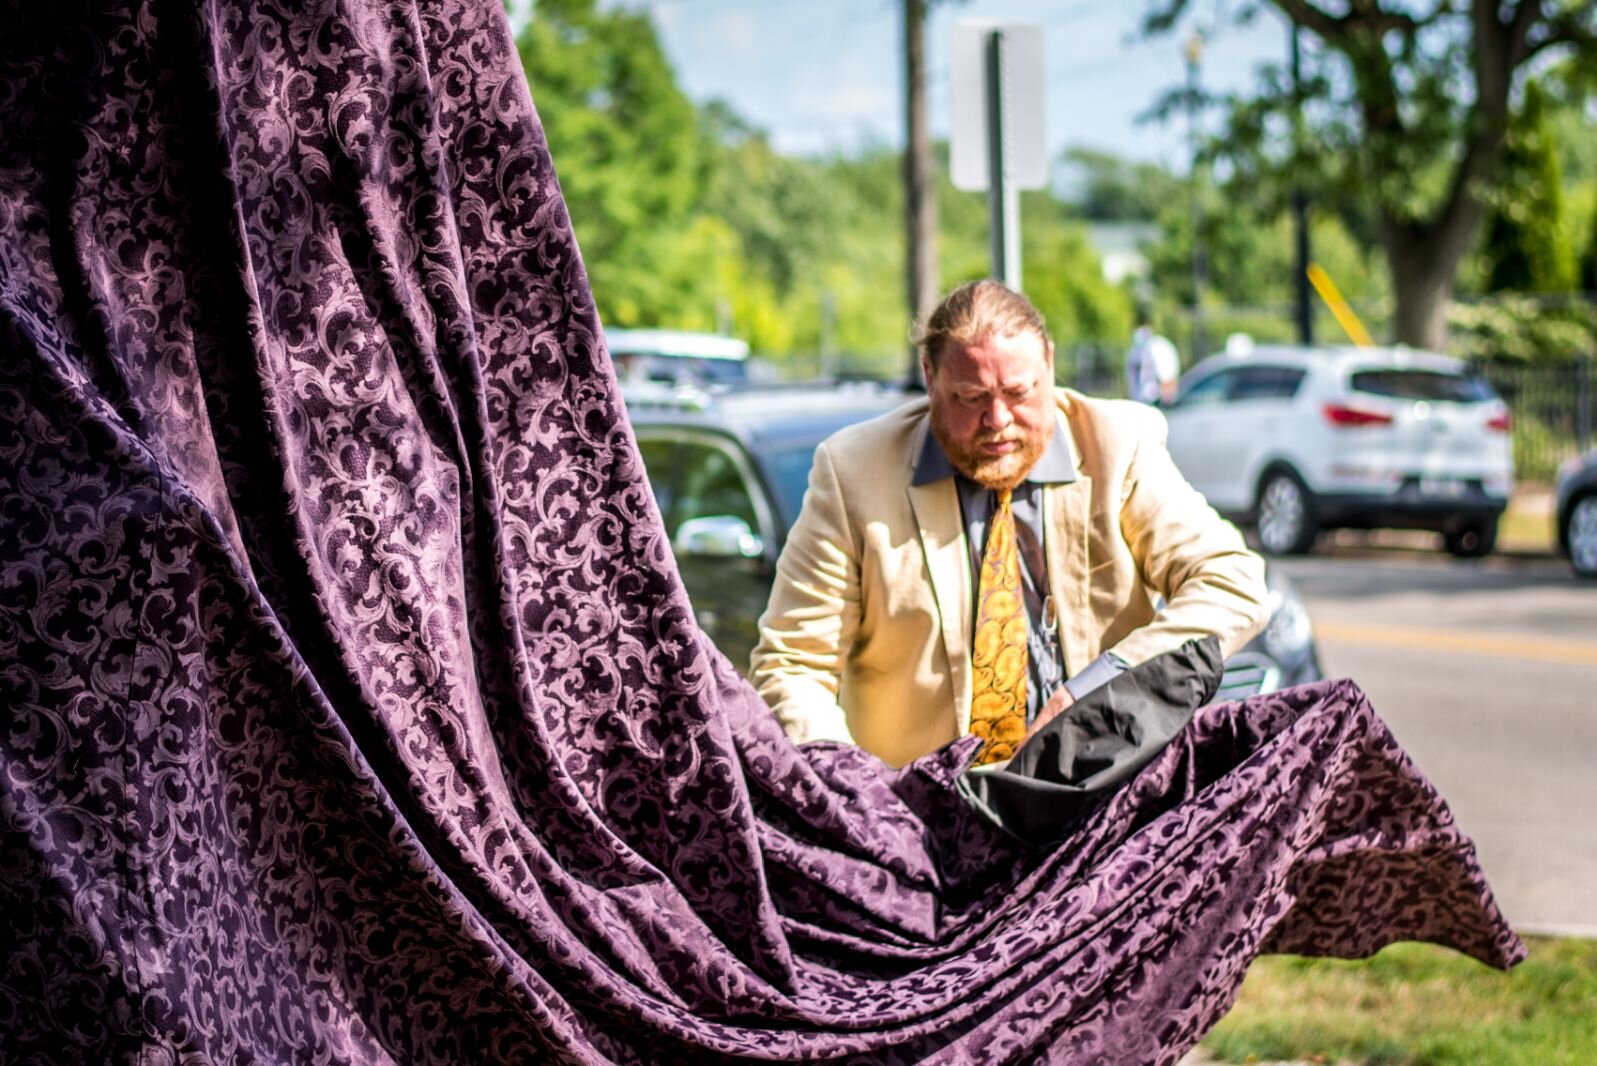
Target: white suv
{"points": [[1297, 440]]}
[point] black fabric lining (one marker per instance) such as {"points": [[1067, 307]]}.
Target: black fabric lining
{"points": [[1096, 745]]}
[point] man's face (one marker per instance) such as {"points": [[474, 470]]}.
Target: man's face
{"points": [[992, 406]]}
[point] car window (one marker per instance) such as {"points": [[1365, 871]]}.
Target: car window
{"points": [[709, 483], [1207, 391], [1422, 385], [789, 471], [721, 371], [1266, 383], [658, 456]]}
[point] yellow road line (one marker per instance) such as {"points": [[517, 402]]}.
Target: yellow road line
{"points": [[1503, 645]]}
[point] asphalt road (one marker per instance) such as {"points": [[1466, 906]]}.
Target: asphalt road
{"points": [[1487, 673]]}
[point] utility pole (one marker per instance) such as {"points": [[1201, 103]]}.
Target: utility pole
{"points": [[1194, 55], [1300, 200], [920, 205]]}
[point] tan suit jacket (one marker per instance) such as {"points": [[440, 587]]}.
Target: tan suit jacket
{"points": [[867, 635]]}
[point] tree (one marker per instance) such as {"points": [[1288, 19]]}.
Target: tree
{"points": [[689, 218], [784, 210], [1106, 188], [1527, 243], [1409, 105], [1252, 261], [628, 148]]}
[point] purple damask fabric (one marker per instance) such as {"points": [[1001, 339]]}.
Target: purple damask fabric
{"points": [[352, 708]]}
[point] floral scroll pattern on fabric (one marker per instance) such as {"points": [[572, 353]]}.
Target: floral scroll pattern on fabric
{"points": [[354, 711], [998, 659]]}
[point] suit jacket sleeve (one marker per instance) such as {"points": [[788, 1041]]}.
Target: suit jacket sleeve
{"points": [[813, 616], [1196, 560]]}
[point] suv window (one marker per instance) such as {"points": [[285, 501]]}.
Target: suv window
{"points": [[709, 484], [1422, 385], [789, 471], [1266, 383], [1207, 391], [657, 463]]}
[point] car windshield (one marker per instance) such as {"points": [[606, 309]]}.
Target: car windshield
{"points": [[786, 451], [789, 470], [1422, 385]]}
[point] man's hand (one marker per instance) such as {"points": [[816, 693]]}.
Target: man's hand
{"points": [[1056, 703]]}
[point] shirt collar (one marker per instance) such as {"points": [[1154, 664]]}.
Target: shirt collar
{"points": [[1057, 464]]}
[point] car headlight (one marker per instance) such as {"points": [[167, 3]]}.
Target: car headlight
{"points": [[1289, 632]]}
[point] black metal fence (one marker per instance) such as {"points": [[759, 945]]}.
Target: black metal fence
{"points": [[1554, 408], [1096, 369]]}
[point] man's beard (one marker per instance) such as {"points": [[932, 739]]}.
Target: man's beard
{"points": [[994, 471]]}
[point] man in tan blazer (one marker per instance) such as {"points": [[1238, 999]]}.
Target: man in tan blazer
{"points": [[867, 638]]}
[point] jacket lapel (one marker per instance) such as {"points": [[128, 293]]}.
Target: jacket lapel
{"points": [[942, 535]]}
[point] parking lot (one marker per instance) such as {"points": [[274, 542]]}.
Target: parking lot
{"points": [[1487, 672]]}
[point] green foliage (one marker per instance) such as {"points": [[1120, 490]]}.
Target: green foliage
{"points": [[1106, 188], [1513, 328], [1571, 90], [1528, 247], [628, 149], [1251, 262]]}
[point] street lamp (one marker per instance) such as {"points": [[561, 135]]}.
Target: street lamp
{"points": [[1194, 56]]}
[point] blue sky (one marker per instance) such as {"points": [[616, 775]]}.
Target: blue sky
{"points": [[821, 75]]}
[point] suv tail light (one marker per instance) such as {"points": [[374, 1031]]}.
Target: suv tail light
{"points": [[1502, 423], [1341, 415]]}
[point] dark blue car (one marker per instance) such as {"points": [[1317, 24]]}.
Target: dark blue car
{"points": [[1577, 513]]}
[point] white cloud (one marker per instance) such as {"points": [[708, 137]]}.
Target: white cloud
{"points": [[847, 104], [737, 31]]}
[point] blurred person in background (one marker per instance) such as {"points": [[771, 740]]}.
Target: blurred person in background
{"points": [[1152, 364]]}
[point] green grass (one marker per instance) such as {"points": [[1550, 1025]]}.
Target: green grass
{"points": [[1417, 1004], [1526, 529]]}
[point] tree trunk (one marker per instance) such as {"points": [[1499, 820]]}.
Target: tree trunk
{"points": [[1424, 261], [1423, 294]]}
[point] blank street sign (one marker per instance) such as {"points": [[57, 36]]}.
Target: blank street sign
{"points": [[1025, 147]]}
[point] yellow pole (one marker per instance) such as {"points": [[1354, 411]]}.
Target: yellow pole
{"points": [[1339, 308]]}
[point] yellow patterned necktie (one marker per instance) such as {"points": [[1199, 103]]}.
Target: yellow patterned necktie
{"points": [[999, 656]]}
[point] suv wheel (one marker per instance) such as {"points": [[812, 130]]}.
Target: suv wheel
{"points": [[1286, 521], [1472, 540], [1580, 533]]}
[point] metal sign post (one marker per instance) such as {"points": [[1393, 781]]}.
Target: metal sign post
{"points": [[998, 141]]}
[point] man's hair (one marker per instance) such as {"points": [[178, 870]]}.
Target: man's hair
{"points": [[975, 312]]}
